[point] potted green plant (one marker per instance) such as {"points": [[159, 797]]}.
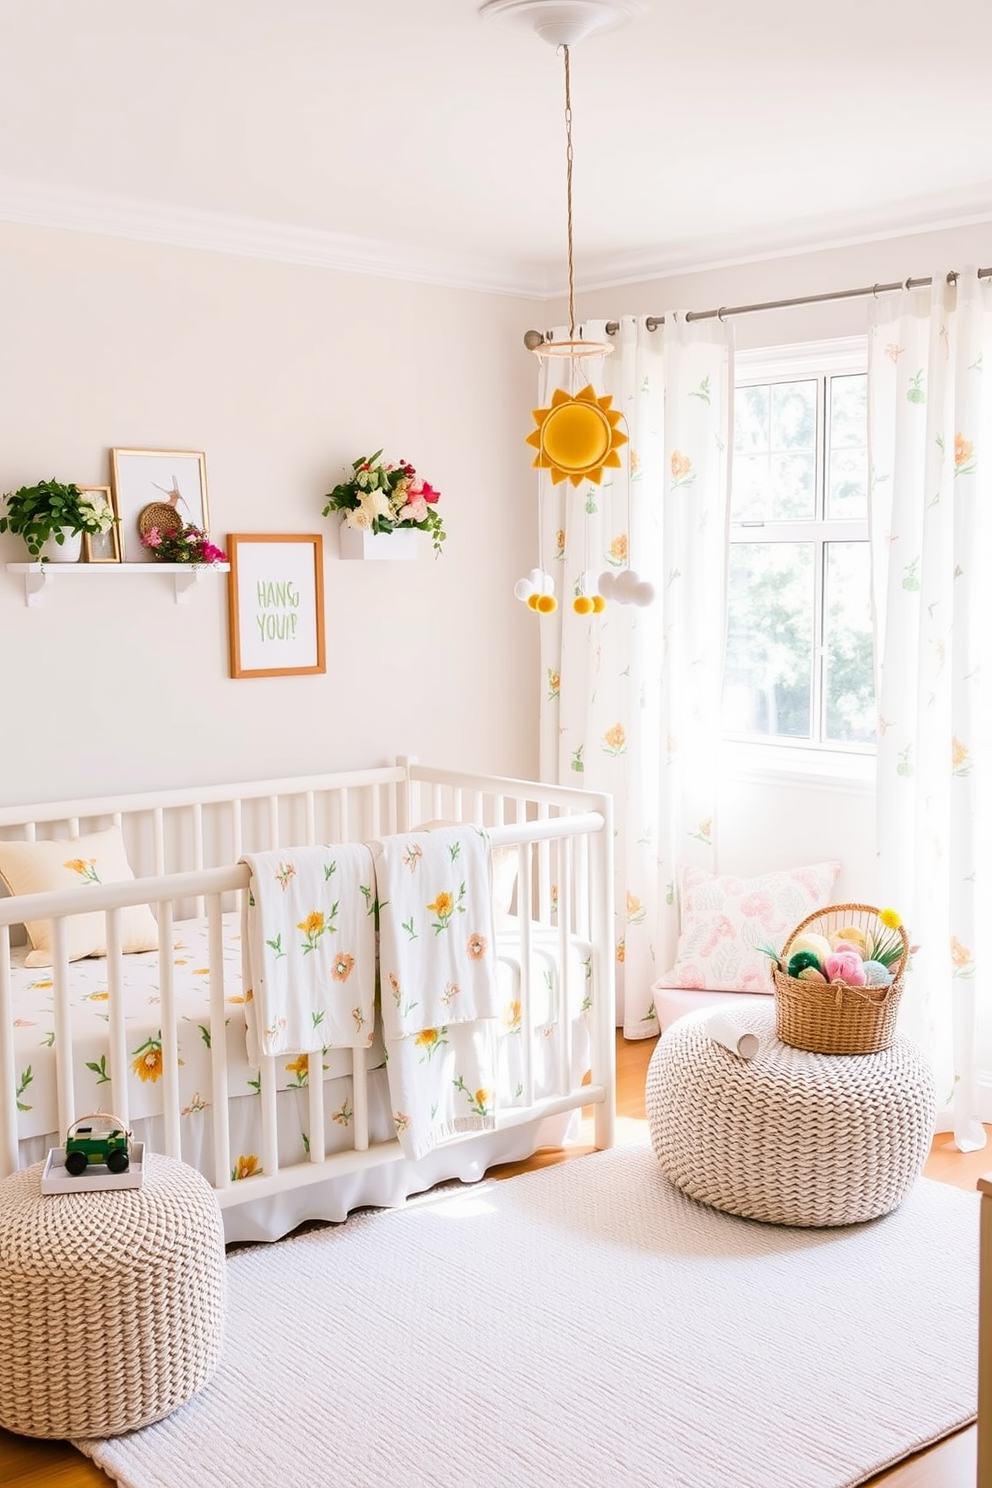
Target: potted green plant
{"points": [[52, 513]]}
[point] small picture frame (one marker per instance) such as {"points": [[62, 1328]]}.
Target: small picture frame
{"points": [[173, 481], [276, 604], [102, 547]]}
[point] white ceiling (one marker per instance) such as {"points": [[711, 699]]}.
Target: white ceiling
{"points": [[412, 130]]}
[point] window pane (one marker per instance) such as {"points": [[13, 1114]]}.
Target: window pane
{"points": [[794, 415], [751, 419], [793, 486], [768, 677], [847, 476], [749, 502], [774, 453], [848, 684]]}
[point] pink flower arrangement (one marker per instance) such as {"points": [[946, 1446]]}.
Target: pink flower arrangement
{"points": [[380, 498], [187, 544]]}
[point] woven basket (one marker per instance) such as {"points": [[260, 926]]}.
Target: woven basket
{"points": [[161, 515], [833, 1018]]}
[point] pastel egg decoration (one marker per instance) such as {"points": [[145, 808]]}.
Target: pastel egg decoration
{"points": [[877, 975], [812, 974]]}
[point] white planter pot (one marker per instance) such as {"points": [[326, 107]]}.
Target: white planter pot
{"points": [[387, 545], [67, 551]]}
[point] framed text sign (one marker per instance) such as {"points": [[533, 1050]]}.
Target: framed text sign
{"points": [[276, 600]]}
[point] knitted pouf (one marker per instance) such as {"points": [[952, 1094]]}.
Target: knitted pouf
{"points": [[111, 1302], [788, 1137]]}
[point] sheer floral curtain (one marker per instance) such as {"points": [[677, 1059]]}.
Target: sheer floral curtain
{"points": [[930, 432], [631, 697]]}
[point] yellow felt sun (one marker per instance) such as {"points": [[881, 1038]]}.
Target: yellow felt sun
{"points": [[577, 437]]}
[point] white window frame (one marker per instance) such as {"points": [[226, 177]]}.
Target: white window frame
{"points": [[811, 762]]}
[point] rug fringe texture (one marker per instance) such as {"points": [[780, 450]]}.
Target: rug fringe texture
{"points": [[584, 1326]]}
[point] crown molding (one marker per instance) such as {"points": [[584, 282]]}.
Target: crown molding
{"points": [[612, 270], [42, 204]]}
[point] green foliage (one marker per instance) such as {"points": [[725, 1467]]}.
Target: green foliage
{"points": [[39, 512]]}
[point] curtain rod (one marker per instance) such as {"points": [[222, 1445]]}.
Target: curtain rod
{"points": [[533, 339]]}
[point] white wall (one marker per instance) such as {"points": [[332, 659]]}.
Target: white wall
{"points": [[282, 375]]}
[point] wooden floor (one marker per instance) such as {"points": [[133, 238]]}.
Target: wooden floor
{"points": [[25, 1463]]}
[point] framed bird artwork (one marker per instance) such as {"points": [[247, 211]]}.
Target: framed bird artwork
{"points": [[163, 489]]}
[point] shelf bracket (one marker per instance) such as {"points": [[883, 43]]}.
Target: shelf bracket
{"points": [[184, 583], [35, 579]]}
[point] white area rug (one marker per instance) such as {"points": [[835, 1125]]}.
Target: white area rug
{"points": [[585, 1326]]}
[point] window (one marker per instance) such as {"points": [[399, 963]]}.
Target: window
{"points": [[799, 642]]}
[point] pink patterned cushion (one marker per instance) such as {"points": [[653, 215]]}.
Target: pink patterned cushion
{"points": [[726, 920]]}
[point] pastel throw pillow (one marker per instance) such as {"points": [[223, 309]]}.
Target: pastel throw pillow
{"points": [[724, 921], [76, 862]]}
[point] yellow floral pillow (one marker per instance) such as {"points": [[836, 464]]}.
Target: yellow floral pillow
{"points": [[77, 862]]}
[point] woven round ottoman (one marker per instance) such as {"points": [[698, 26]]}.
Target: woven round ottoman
{"points": [[111, 1303], [788, 1137]]}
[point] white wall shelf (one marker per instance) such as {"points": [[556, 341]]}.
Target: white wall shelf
{"points": [[37, 576]]}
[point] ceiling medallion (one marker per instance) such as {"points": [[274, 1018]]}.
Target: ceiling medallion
{"points": [[563, 22]]}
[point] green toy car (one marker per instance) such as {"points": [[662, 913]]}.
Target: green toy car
{"points": [[103, 1142]]}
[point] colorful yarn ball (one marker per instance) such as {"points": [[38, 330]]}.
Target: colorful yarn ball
{"points": [[877, 975], [847, 967], [801, 961], [812, 974], [810, 941]]}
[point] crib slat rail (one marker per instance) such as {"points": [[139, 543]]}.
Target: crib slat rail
{"points": [[562, 838]]}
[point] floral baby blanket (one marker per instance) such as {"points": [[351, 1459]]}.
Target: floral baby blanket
{"points": [[308, 943], [438, 983]]}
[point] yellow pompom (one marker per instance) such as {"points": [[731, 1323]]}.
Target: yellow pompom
{"points": [[890, 919], [598, 604], [533, 601], [582, 604], [547, 604]]}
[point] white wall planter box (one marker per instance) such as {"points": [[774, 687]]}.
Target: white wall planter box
{"points": [[386, 545]]}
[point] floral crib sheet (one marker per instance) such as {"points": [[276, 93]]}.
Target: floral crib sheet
{"points": [[34, 1027], [34, 1032]]}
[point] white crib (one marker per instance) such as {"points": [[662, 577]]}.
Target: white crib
{"points": [[555, 950]]}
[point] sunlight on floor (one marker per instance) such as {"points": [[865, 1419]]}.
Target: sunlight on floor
{"points": [[628, 1129]]}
